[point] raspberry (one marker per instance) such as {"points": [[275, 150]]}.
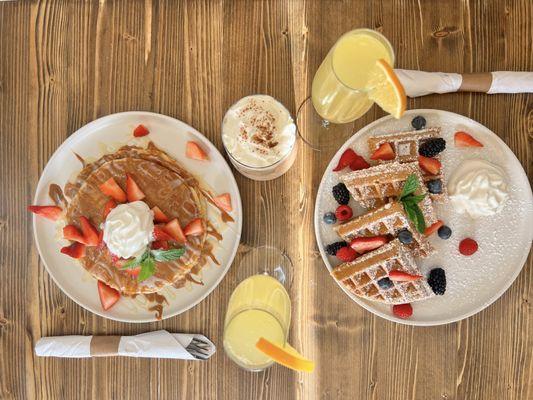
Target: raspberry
{"points": [[467, 247], [343, 212], [346, 254], [402, 310], [340, 193]]}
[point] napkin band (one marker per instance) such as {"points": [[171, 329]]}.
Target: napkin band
{"points": [[476, 82], [104, 346]]}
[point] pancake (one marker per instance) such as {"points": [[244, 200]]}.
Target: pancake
{"points": [[166, 184]]}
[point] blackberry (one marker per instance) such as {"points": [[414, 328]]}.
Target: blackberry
{"points": [[432, 147], [385, 283], [418, 122], [434, 186], [332, 248], [341, 194], [437, 281]]}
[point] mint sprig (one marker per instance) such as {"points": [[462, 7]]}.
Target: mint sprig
{"points": [[410, 202], [148, 259]]}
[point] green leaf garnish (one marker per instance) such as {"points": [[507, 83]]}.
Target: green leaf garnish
{"points": [[148, 259], [410, 202], [410, 186], [167, 255], [147, 269]]}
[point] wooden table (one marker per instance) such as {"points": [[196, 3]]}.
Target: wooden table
{"points": [[65, 63]]}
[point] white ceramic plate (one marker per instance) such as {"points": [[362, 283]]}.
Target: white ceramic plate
{"points": [[504, 239], [106, 135]]}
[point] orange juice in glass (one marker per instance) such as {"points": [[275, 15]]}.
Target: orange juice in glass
{"points": [[338, 92]]}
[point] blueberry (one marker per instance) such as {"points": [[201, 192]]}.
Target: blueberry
{"points": [[385, 283], [435, 186], [405, 236], [330, 218], [444, 232], [418, 122]]}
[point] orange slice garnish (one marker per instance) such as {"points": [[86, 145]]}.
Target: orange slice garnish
{"points": [[385, 89], [286, 356]]}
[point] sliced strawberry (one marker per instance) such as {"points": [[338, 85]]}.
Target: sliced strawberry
{"points": [[346, 159], [431, 165], [101, 242], [160, 233], [70, 232], [160, 245], [346, 254], [134, 193], [49, 212], [111, 188], [173, 228], [400, 276], [108, 295], [109, 206], [430, 230], [468, 246], [402, 310], [90, 233], [140, 130], [224, 202], [159, 216], [75, 250], [359, 163], [383, 152], [134, 272], [194, 228], [463, 139], [364, 244], [117, 261], [194, 151]]}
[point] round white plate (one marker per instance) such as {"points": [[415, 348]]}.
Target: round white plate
{"points": [[504, 239], [106, 135]]}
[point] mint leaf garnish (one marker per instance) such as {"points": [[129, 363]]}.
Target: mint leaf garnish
{"points": [[167, 255], [147, 269], [410, 202], [148, 258], [410, 186]]}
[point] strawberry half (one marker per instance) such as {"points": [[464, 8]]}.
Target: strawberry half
{"points": [[75, 250], [400, 276], [70, 232], [194, 151], [108, 295], [160, 245], [224, 202], [159, 216], [194, 228], [430, 230], [140, 130], [431, 165], [384, 152], [364, 244], [49, 212], [346, 254], [160, 233], [109, 206], [173, 228], [463, 139], [90, 233], [133, 192], [402, 310], [346, 159], [359, 163], [112, 189]]}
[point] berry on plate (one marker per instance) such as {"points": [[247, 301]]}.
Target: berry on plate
{"points": [[343, 212], [463, 139], [173, 228], [384, 152], [444, 232], [437, 281], [160, 233], [432, 147], [109, 206], [112, 189], [346, 254], [329, 218], [194, 151], [364, 244], [405, 236], [194, 228], [159, 216], [160, 245], [223, 201], [347, 158], [467, 247], [75, 250], [359, 163], [133, 192], [401, 276], [341, 193], [418, 122], [108, 295], [70, 232], [385, 283], [140, 131], [431, 165], [49, 212], [430, 230], [434, 186], [90, 233], [403, 311], [332, 248]]}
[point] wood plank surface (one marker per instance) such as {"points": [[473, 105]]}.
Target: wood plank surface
{"points": [[65, 63]]}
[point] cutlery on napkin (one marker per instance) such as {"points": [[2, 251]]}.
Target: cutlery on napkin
{"points": [[157, 344], [421, 83]]}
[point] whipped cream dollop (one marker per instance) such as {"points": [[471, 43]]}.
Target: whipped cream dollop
{"points": [[258, 131], [128, 229], [478, 188]]}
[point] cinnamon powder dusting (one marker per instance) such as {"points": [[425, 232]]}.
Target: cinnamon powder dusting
{"points": [[264, 127]]}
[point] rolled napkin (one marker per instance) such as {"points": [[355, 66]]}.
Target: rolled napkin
{"points": [[157, 344], [421, 83]]}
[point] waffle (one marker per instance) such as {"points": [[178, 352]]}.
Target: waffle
{"points": [[385, 220], [375, 186], [361, 276]]}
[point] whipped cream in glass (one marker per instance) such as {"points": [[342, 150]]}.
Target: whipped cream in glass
{"points": [[478, 188], [259, 135], [128, 229]]}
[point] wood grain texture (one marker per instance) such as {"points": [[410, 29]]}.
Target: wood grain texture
{"points": [[65, 63]]}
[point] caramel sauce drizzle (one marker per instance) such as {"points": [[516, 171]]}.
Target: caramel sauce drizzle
{"points": [[56, 194]]}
